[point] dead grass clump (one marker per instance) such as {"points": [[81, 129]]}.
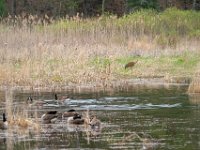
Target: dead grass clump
{"points": [[18, 115], [194, 98], [147, 141], [22, 122], [194, 86], [20, 119], [177, 79]]}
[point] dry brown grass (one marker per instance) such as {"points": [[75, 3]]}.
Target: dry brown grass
{"points": [[38, 54], [18, 120], [194, 86], [29, 62]]}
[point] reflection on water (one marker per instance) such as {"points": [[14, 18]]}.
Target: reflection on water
{"points": [[147, 118]]}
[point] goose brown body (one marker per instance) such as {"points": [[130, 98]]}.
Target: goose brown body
{"points": [[50, 116], [69, 113], [37, 103], [76, 119]]}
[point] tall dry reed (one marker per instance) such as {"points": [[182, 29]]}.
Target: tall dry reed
{"points": [[40, 52]]}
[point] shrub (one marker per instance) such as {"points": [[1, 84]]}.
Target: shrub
{"points": [[2, 8]]}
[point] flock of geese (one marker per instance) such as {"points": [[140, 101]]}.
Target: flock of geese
{"points": [[72, 116]]}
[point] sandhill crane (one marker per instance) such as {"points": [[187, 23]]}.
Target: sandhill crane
{"points": [[130, 64]]}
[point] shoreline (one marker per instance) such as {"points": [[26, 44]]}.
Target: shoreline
{"points": [[123, 84]]}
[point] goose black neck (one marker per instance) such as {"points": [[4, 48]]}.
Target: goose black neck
{"points": [[29, 99], [4, 117], [77, 116], [56, 97], [71, 110]]}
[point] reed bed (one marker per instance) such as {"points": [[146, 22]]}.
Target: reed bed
{"points": [[68, 51], [195, 85], [19, 123]]}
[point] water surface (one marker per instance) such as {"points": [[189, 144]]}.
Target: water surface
{"points": [[154, 118]]}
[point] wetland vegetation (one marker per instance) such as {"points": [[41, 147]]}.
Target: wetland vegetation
{"points": [[72, 51], [148, 105]]}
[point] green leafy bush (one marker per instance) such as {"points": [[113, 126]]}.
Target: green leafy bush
{"points": [[2, 7]]}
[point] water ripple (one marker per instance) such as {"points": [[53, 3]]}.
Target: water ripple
{"points": [[130, 107]]}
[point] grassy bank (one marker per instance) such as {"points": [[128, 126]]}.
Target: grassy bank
{"points": [[82, 51]]}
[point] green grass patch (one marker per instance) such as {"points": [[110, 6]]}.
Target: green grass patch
{"points": [[180, 65], [100, 62], [171, 22]]}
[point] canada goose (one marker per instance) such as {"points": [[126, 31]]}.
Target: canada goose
{"points": [[56, 97], [50, 117], [69, 113], [52, 100], [62, 100], [76, 119], [130, 64], [94, 122], [4, 124], [30, 102]]}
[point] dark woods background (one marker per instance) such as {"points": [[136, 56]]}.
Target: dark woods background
{"points": [[89, 8]]}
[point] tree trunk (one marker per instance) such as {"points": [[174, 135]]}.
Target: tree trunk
{"points": [[103, 7], [194, 4], [13, 7]]}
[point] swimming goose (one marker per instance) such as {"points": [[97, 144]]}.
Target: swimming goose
{"points": [[76, 119], [50, 117], [30, 102], [4, 124], [62, 100], [56, 97], [69, 113]]}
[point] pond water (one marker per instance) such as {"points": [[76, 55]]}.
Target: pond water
{"points": [[142, 118]]}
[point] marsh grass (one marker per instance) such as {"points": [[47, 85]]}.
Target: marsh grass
{"points": [[19, 124], [18, 119], [42, 52], [194, 86]]}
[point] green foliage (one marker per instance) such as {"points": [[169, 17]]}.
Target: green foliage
{"points": [[2, 7], [187, 59], [125, 60], [57, 78], [142, 4], [17, 63], [100, 62], [195, 33], [72, 5], [167, 28], [171, 20], [182, 64], [179, 21]]}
